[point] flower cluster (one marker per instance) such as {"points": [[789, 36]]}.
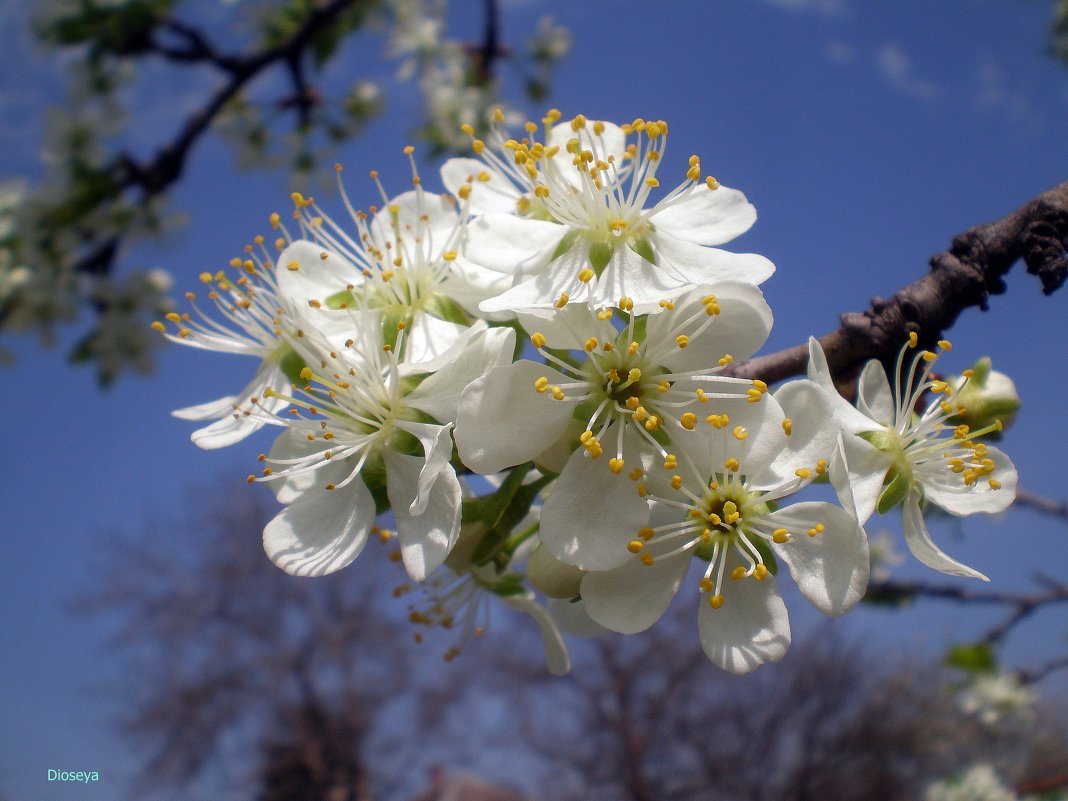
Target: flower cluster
{"points": [[622, 458]]}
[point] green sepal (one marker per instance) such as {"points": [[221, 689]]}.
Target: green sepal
{"points": [[291, 364], [340, 300], [509, 584], [644, 248], [564, 245], [600, 255], [976, 657], [894, 492], [447, 309]]}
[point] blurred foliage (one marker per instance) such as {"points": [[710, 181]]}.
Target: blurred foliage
{"points": [[261, 75]]}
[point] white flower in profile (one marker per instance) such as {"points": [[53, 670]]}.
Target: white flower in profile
{"points": [[610, 386], [584, 233], [717, 500], [255, 319], [994, 697], [918, 456], [400, 261], [364, 423]]}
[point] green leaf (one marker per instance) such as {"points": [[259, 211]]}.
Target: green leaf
{"points": [[976, 657]]}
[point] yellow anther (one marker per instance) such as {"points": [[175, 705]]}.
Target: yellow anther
{"points": [[945, 344], [759, 385], [702, 395], [740, 432], [633, 348], [671, 461], [718, 420], [663, 386], [788, 426], [465, 192], [537, 340], [562, 300], [739, 573], [961, 431], [694, 173], [780, 535], [498, 115], [666, 304], [585, 275], [578, 123], [558, 394], [632, 403], [542, 385], [711, 183], [585, 436], [817, 529], [715, 601], [615, 464], [676, 482], [803, 473], [732, 464], [634, 546], [682, 340], [174, 317], [653, 423], [306, 373], [183, 332], [928, 356], [467, 129], [688, 421], [914, 339], [634, 374], [293, 266], [753, 395], [298, 200], [646, 534], [715, 519], [647, 559], [158, 326], [821, 467], [640, 414], [625, 304], [994, 483], [590, 344], [725, 360], [652, 183], [706, 585], [760, 572], [635, 474], [478, 146]]}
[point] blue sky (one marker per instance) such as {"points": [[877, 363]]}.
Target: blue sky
{"points": [[866, 134]]}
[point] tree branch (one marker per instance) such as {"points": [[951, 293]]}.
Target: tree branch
{"points": [[1040, 503], [963, 276]]}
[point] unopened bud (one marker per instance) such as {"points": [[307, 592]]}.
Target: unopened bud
{"points": [[987, 396]]}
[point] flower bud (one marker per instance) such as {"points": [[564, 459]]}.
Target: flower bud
{"points": [[986, 397], [554, 578]]}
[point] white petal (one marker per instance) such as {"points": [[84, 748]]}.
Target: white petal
{"points": [[322, 532], [314, 278], [572, 618], [292, 444], [740, 329], [511, 244], [847, 417], [830, 569], [710, 447], [437, 450], [236, 424], [751, 627], [630, 275], [947, 490], [207, 411], [471, 357], [813, 434], [430, 217], [707, 217], [592, 514], [498, 194], [633, 597], [499, 413], [922, 546], [874, 398], [556, 655], [695, 265], [429, 337], [425, 537], [543, 290], [857, 472]]}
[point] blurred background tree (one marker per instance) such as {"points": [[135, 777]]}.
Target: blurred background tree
{"points": [[284, 81]]}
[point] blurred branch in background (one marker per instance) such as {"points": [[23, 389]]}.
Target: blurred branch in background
{"points": [[264, 83]]}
